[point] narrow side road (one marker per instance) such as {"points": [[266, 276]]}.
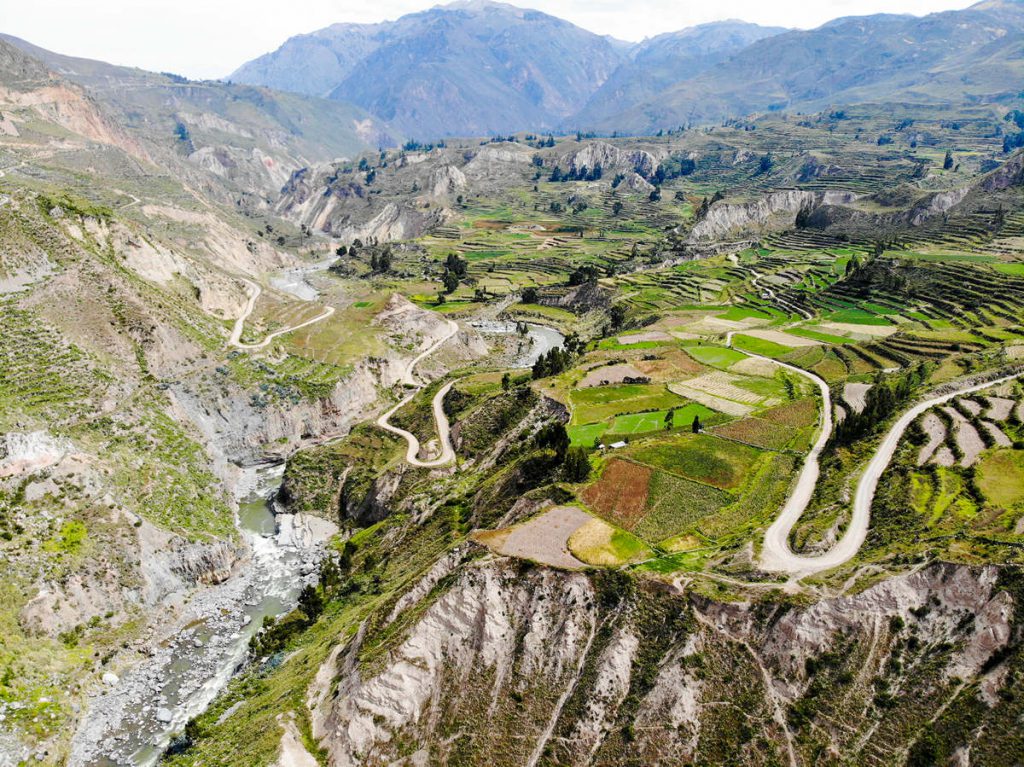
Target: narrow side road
{"points": [[254, 294], [776, 556], [447, 455]]}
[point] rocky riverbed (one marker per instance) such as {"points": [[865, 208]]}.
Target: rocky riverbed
{"points": [[132, 717]]}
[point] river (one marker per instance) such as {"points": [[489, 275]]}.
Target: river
{"points": [[132, 723], [542, 339]]}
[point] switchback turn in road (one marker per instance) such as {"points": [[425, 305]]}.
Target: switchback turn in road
{"points": [[776, 556], [440, 419]]}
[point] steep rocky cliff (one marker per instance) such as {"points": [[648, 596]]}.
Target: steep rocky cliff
{"points": [[497, 661]]}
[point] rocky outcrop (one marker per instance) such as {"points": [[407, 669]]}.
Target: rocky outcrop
{"points": [[169, 564], [774, 210], [394, 222], [637, 184], [612, 159], [445, 180], [492, 162], [582, 670]]}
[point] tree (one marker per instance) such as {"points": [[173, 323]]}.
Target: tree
{"points": [[555, 437], [311, 603], [617, 315], [577, 464], [696, 426], [670, 418], [451, 282], [617, 207], [506, 382], [530, 295], [455, 264], [947, 163]]}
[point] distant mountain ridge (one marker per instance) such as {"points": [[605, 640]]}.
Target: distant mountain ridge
{"points": [[467, 68], [483, 68], [251, 137]]}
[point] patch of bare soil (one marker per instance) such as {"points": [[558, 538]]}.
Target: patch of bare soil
{"points": [[936, 431], [855, 395], [967, 438], [999, 408], [610, 374], [543, 539]]}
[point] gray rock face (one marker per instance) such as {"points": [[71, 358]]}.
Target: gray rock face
{"points": [[777, 209], [570, 652]]}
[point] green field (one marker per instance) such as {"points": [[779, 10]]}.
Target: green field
{"points": [[700, 457], [1001, 477], [675, 504], [639, 423], [817, 335], [586, 434], [715, 356], [602, 402], [760, 346], [1014, 270], [857, 317]]}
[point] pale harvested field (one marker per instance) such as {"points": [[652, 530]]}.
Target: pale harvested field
{"points": [[999, 408], [855, 395], [972, 406], [936, 432], [854, 330], [1015, 352], [713, 326], [720, 384], [682, 335], [609, 374], [650, 335], [997, 434], [755, 366], [944, 457], [967, 438], [783, 339], [545, 538], [729, 407]]}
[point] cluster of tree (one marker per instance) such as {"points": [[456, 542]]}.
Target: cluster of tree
{"points": [[579, 174], [574, 460], [412, 145], [765, 164], [455, 270], [551, 364], [545, 143], [529, 295], [1013, 141], [381, 263], [947, 162], [881, 401], [583, 274], [675, 166]]}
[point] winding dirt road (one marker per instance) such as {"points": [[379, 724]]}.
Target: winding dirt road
{"points": [[437, 405], [254, 293], [776, 556]]}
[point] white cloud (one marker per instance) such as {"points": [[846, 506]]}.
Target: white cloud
{"points": [[210, 38]]}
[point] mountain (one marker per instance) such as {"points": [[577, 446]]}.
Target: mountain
{"points": [[468, 68], [473, 68], [663, 61], [253, 138], [951, 57]]}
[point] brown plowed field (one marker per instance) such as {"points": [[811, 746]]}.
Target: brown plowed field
{"points": [[621, 493]]}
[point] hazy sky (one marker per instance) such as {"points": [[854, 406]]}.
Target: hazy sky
{"points": [[210, 38]]}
